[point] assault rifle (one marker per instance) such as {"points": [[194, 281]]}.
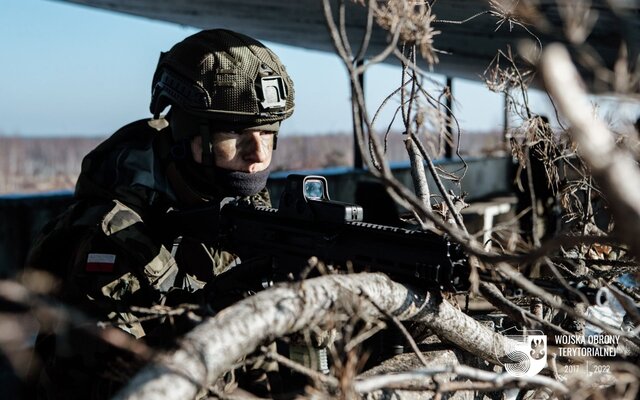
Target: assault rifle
{"points": [[308, 224]]}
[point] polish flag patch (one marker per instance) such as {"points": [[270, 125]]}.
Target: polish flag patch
{"points": [[100, 262]]}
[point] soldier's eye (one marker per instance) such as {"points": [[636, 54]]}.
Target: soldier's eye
{"points": [[228, 134]]}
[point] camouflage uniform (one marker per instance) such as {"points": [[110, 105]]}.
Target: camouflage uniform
{"points": [[114, 248], [112, 251]]}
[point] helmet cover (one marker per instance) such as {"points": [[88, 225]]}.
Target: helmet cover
{"points": [[224, 76]]}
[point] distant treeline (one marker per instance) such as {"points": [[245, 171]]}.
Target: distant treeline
{"points": [[43, 164]]}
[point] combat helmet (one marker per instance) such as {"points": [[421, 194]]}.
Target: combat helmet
{"points": [[224, 76]]}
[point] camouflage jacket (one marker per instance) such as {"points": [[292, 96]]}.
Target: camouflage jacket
{"points": [[111, 249]]}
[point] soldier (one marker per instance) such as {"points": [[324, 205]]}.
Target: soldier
{"points": [[114, 248]]}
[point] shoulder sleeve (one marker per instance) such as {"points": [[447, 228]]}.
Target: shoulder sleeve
{"points": [[108, 262]]}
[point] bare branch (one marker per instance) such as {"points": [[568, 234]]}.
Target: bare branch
{"points": [[612, 167], [532, 321], [212, 347], [500, 381]]}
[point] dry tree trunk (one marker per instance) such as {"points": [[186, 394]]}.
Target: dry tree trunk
{"points": [[418, 173], [214, 346]]}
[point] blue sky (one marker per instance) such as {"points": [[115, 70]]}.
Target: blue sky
{"points": [[69, 69]]}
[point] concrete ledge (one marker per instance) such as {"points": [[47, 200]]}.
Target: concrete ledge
{"points": [[21, 218]]}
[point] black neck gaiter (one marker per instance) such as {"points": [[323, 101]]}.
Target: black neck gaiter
{"points": [[216, 182], [236, 183]]}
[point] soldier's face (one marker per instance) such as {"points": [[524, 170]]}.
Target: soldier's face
{"points": [[245, 151]]}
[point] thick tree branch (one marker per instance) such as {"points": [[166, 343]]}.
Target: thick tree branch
{"points": [[213, 346]]}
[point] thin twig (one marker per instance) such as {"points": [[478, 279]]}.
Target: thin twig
{"points": [[495, 297], [318, 376], [400, 327], [367, 385]]}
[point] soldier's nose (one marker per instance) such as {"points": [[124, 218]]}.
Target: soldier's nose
{"points": [[256, 151]]}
